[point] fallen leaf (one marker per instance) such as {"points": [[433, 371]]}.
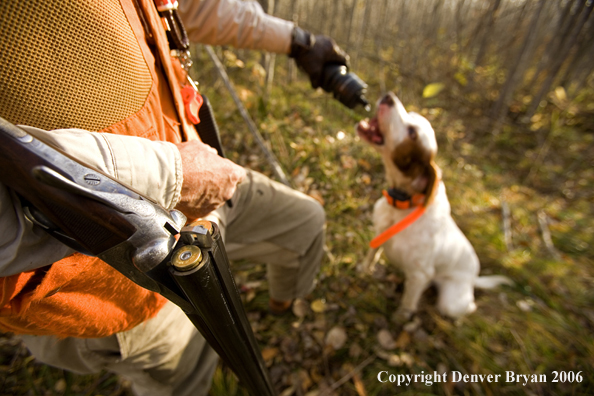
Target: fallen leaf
{"points": [[347, 161], [315, 194], [392, 359], [60, 386], [433, 89], [407, 359], [253, 284], [413, 325], [403, 340], [336, 337], [269, 353], [364, 164], [318, 306], [315, 375], [288, 392], [300, 308], [524, 306], [304, 380], [318, 336], [385, 339], [359, 386], [250, 295], [461, 78], [355, 350], [245, 94], [258, 71], [560, 94]]}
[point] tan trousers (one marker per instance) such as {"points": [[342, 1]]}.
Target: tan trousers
{"points": [[268, 222]]}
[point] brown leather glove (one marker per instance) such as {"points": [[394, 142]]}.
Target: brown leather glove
{"points": [[312, 53], [209, 180]]}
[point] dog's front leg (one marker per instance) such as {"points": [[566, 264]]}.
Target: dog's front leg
{"points": [[370, 260], [415, 284]]}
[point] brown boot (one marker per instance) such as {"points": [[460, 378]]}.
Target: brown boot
{"points": [[279, 307]]}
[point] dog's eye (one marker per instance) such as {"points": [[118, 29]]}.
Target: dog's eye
{"points": [[412, 132]]}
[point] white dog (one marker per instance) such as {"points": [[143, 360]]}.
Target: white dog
{"points": [[432, 248]]}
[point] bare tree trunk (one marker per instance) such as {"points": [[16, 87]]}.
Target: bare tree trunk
{"points": [[403, 19], [269, 59], [292, 73], [433, 30], [332, 14], [459, 24], [491, 16], [519, 22], [323, 13], [581, 58], [517, 69], [563, 28], [361, 35], [379, 43], [559, 60], [351, 24]]}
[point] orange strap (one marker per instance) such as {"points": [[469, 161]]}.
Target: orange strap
{"points": [[396, 228]]}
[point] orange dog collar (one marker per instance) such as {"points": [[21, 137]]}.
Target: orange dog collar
{"points": [[392, 196]]}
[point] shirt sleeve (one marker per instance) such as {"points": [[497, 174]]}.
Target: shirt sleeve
{"points": [[242, 24], [152, 168]]}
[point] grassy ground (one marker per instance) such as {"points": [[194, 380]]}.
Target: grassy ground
{"points": [[542, 324]]}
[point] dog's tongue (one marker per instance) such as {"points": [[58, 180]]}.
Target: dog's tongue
{"points": [[369, 130]]}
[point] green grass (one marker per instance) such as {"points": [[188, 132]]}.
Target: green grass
{"points": [[544, 323]]}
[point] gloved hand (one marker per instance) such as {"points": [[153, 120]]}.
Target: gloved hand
{"points": [[312, 53], [209, 180]]}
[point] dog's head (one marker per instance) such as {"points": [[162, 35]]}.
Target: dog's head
{"points": [[406, 142]]}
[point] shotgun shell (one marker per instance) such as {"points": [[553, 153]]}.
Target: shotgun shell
{"points": [[187, 258]]}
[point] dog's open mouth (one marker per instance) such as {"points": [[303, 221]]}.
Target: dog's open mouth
{"points": [[369, 130]]}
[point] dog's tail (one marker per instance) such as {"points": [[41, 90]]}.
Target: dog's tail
{"points": [[491, 282]]}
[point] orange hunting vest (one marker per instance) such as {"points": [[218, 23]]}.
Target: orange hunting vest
{"points": [[101, 66]]}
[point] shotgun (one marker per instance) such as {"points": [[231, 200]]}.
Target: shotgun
{"points": [[97, 215]]}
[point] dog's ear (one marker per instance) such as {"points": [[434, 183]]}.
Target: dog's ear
{"points": [[414, 162], [409, 157], [434, 176]]}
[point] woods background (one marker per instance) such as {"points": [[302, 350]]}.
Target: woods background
{"points": [[518, 47]]}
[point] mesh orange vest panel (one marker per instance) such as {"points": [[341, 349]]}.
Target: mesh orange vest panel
{"points": [[87, 65]]}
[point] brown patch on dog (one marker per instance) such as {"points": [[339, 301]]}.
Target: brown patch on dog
{"points": [[412, 160]]}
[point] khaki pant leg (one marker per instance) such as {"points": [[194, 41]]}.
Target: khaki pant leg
{"points": [[281, 227], [164, 356]]}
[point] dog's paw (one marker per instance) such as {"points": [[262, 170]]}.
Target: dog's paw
{"points": [[364, 267], [402, 315]]}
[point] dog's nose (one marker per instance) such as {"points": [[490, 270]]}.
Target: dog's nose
{"points": [[387, 100]]}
